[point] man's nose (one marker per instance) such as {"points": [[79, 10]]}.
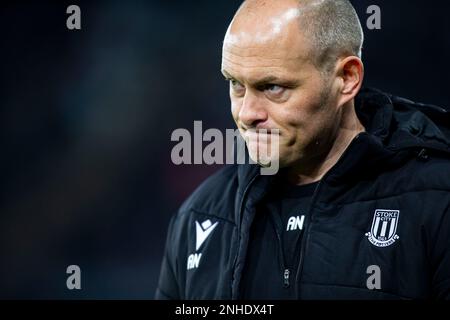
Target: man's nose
{"points": [[252, 110]]}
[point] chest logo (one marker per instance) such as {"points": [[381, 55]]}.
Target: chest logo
{"points": [[384, 227], [203, 231], [295, 223]]}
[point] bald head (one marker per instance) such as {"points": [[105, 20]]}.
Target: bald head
{"points": [[262, 21], [327, 29]]}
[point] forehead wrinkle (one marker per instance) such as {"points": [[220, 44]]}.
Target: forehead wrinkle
{"points": [[232, 57], [233, 65], [281, 68], [255, 52]]}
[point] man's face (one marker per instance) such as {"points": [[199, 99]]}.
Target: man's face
{"points": [[274, 85]]}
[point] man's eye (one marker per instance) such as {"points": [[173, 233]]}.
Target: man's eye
{"points": [[273, 88], [236, 86], [235, 83]]}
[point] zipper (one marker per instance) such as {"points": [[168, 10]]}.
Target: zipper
{"points": [[286, 272], [241, 209], [308, 217], [286, 278]]}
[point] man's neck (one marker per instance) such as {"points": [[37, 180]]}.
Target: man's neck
{"points": [[315, 168]]}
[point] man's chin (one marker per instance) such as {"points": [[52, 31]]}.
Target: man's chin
{"points": [[263, 161], [269, 166]]}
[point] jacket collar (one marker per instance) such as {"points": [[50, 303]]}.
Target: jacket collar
{"points": [[400, 123]]}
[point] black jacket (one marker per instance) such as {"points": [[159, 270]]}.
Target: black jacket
{"points": [[399, 167]]}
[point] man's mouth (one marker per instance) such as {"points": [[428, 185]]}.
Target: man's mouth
{"points": [[260, 135]]}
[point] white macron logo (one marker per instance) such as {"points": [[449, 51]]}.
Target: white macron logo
{"points": [[295, 223], [203, 232]]}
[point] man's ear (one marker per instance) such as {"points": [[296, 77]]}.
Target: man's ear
{"points": [[351, 71]]}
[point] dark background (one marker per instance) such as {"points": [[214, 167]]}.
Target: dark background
{"points": [[86, 118]]}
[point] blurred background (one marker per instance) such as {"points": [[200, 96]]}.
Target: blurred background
{"points": [[86, 118]]}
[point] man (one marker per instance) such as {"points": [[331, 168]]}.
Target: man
{"points": [[361, 206]]}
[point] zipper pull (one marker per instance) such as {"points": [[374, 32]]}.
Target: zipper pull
{"points": [[286, 278]]}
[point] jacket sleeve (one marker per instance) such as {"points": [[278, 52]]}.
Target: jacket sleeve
{"points": [[441, 258], [168, 288]]}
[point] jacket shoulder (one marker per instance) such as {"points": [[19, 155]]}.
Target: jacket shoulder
{"points": [[215, 196], [430, 171]]}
